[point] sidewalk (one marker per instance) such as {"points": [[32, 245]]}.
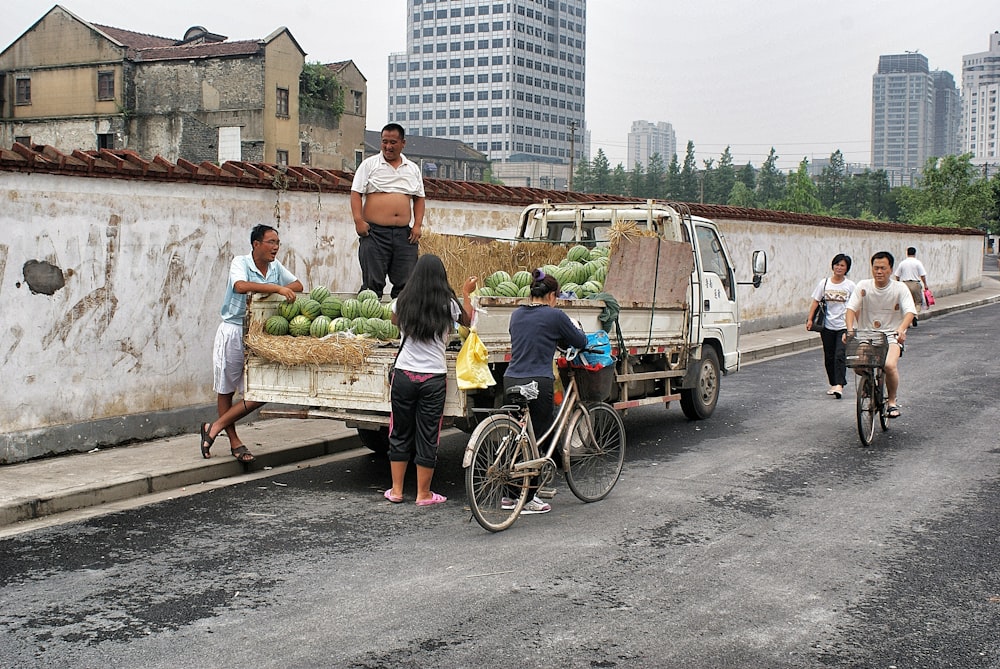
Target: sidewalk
{"points": [[41, 488]]}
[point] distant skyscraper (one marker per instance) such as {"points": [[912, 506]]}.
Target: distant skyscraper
{"points": [[947, 115], [648, 138], [980, 90], [915, 115], [506, 77]]}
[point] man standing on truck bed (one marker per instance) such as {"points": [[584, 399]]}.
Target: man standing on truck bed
{"points": [[384, 188]]}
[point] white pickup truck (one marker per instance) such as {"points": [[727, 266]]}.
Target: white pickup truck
{"points": [[677, 327]]}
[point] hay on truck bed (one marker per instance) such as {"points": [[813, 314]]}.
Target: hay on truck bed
{"points": [[336, 348]]}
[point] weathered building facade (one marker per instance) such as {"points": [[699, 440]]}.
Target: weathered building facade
{"points": [[75, 85], [332, 142]]}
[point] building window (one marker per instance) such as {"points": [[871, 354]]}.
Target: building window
{"points": [[105, 85], [23, 139], [282, 111], [282, 156], [305, 153], [105, 140], [357, 102], [358, 157], [22, 92]]}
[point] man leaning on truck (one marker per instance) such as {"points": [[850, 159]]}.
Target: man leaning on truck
{"points": [[385, 186]]}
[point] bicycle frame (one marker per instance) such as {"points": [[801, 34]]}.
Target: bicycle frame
{"points": [[553, 434]]}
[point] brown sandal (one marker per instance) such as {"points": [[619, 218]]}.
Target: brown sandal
{"points": [[243, 454], [206, 441]]}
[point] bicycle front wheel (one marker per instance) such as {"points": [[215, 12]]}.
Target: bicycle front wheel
{"points": [[594, 452], [496, 493], [867, 407], [883, 404]]}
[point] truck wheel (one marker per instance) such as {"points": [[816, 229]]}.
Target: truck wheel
{"points": [[377, 441], [699, 402]]}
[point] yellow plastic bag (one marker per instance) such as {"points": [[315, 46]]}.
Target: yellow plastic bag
{"points": [[471, 368]]}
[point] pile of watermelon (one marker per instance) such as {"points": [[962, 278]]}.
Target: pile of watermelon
{"points": [[322, 313], [581, 272]]}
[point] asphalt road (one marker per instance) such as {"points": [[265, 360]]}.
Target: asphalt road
{"points": [[764, 537]]}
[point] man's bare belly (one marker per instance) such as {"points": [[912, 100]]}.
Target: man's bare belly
{"points": [[387, 209]]}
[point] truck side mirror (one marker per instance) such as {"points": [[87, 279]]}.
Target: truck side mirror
{"points": [[759, 267]]}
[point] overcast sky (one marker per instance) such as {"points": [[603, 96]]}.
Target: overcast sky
{"points": [[792, 74]]}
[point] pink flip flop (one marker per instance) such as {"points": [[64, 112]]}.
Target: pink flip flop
{"points": [[392, 498], [435, 499]]}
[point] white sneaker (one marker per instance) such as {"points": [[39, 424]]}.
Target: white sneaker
{"points": [[535, 506], [532, 507]]}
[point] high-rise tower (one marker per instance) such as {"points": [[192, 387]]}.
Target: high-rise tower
{"points": [[506, 77], [647, 139], [980, 90]]}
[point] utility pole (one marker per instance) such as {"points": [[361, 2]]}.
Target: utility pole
{"points": [[572, 152]]}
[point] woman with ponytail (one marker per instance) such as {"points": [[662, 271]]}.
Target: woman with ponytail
{"points": [[537, 328]]}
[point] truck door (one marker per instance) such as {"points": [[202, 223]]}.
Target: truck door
{"points": [[719, 309]]}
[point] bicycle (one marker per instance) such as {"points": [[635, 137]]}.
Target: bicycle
{"points": [[866, 351], [503, 456]]}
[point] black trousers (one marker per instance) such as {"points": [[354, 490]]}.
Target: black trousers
{"points": [[542, 411], [386, 251], [834, 356], [417, 410]]}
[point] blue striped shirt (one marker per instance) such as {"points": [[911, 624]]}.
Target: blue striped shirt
{"points": [[234, 305]]}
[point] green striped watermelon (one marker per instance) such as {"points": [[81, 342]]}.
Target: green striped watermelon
{"points": [[288, 310], [310, 309], [276, 325], [320, 327], [371, 308], [330, 307], [299, 326], [319, 293], [350, 308]]}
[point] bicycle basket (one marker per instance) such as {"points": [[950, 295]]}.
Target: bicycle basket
{"points": [[867, 349], [594, 385]]}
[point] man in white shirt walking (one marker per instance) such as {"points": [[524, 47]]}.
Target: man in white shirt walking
{"points": [[912, 273]]}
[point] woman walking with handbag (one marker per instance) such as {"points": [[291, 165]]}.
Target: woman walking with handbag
{"points": [[830, 299]]}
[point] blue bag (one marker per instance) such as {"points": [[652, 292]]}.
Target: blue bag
{"points": [[597, 355]]}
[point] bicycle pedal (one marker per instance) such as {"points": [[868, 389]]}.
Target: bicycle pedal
{"points": [[547, 493]]}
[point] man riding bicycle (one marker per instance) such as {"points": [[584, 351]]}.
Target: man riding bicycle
{"points": [[884, 305]]}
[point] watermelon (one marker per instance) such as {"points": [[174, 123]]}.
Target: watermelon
{"points": [[367, 294], [507, 289], [550, 269], [340, 324], [522, 279], [387, 312], [299, 326], [524, 292], [578, 253], [495, 279], [310, 308], [320, 327], [591, 287], [571, 288], [591, 266], [371, 308], [330, 307], [319, 293], [288, 310], [350, 308], [575, 272], [392, 331], [599, 252], [485, 291], [359, 325], [276, 325], [600, 275]]}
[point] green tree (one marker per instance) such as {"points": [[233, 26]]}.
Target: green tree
{"points": [[747, 175], [993, 213], [832, 183], [582, 177], [801, 195], [687, 186], [741, 196], [600, 174], [952, 193], [656, 178], [770, 182], [725, 178], [619, 180], [673, 180], [637, 181], [706, 181], [319, 89]]}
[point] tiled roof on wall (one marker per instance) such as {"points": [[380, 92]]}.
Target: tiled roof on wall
{"points": [[122, 164]]}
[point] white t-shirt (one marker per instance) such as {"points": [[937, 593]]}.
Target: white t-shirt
{"points": [[880, 308], [426, 357], [375, 175], [910, 269], [836, 295]]}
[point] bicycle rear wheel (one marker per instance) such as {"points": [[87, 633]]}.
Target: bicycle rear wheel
{"points": [[493, 449], [883, 405], [594, 452], [867, 407]]}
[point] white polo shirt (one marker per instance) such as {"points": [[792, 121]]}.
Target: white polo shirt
{"points": [[375, 175]]}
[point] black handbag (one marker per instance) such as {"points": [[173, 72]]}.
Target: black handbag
{"points": [[819, 316]]}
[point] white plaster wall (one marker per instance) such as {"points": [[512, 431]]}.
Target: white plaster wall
{"points": [[146, 263]]}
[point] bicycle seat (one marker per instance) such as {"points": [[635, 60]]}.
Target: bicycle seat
{"points": [[520, 395]]}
